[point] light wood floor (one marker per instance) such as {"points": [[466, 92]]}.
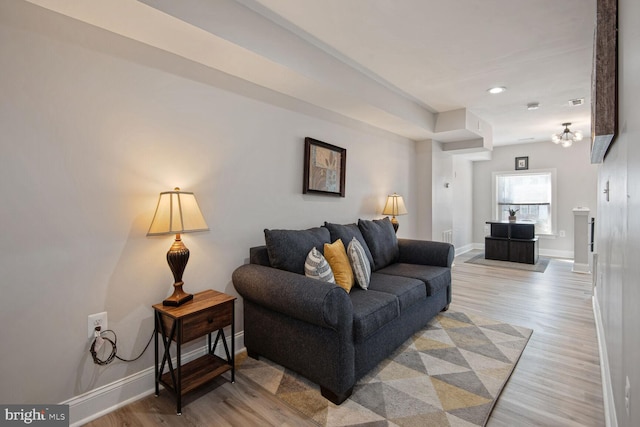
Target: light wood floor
{"points": [[556, 382]]}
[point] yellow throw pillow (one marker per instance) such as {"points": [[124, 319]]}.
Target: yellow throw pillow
{"points": [[336, 255]]}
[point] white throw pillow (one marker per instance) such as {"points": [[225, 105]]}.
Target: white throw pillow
{"points": [[317, 267], [359, 263]]}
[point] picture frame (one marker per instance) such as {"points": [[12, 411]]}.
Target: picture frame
{"points": [[324, 168], [604, 80], [522, 163]]}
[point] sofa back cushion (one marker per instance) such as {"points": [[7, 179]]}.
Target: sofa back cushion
{"points": [[288, 249], [259, 255], [346, 233], [381, 240]]}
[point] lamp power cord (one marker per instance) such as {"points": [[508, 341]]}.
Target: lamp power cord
{"points": [[99, 341]]}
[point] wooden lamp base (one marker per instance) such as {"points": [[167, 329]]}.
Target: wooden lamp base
{"points": [[395, 224], [178, 297], [177, 257]]}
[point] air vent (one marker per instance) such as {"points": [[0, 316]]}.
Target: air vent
{"points": [[576, 102]]}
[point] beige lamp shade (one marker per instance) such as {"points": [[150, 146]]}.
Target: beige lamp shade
{"points": [[394, 206], [177, 212]]}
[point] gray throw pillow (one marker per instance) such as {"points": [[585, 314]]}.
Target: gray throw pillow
{"points": [[359, 263], [346, 233], [288, 249], [381, 240]]}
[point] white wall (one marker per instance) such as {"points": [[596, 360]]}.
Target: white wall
{"points": [[462, 189], [424, 161], [444, 207], [94, 127], [618, 232], [576, 182], [442, 197]]}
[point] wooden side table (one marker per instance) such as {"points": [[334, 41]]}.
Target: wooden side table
{"points": [[208, 312]]}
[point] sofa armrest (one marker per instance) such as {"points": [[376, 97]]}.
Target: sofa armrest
{"points": [[310, 300], [426, 252]]}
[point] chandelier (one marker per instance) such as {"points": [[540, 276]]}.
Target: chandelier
{"points": [[566, 138]]}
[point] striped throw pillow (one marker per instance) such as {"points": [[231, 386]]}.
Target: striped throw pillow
{"points": [[359, 263], [317, 267]]}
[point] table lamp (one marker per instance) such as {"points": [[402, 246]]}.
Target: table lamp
{"points": [[394, 206], [177, 212]]}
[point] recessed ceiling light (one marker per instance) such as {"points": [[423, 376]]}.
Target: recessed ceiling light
{"points": [[533, 106], [497, 89]]}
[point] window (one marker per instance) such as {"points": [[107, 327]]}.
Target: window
{"points": [[531, 192]]}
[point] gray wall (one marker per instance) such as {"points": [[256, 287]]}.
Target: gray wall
{"points": [[94, 126], [618, 233], [576, 182]]}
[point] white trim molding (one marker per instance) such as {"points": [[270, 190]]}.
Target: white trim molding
{"points": [[581, 268], [607, 388], [464, 249], [102, 400]]}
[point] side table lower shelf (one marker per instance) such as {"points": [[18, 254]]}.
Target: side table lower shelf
{"points": [[197, 373]]}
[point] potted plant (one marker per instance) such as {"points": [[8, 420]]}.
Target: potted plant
{"points": [[512, 214]]}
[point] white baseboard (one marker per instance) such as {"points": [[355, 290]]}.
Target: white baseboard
{"points": [[607, 388], [581, 268], [102, 400], [554, 253], [464, 249]]}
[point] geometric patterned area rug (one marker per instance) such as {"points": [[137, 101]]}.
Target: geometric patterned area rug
{"points": [[448, 374], [539, 267]]}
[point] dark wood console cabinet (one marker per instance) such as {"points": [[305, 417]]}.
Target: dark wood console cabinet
{"points": [[512, 241]]}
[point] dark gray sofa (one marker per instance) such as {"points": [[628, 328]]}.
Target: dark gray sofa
{"points": [[320, 331]]}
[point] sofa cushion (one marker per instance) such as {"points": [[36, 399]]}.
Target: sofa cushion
{"points": [[336, 255], [317, 267], [382, 241], [359, 263], [371, 311], [436, 278], [288, 249], [346, 233], [408, 291], [259, 255]]}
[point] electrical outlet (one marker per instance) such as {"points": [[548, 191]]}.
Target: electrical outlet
{"points": [[562, 233], [94, 320], [627, 395]]}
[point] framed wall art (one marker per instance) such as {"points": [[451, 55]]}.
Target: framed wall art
{"points": [[522, 163], [604, 80], [324, 168]]}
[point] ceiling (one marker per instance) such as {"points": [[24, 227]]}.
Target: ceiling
{"points": [[446, 54], [402, 65]]}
